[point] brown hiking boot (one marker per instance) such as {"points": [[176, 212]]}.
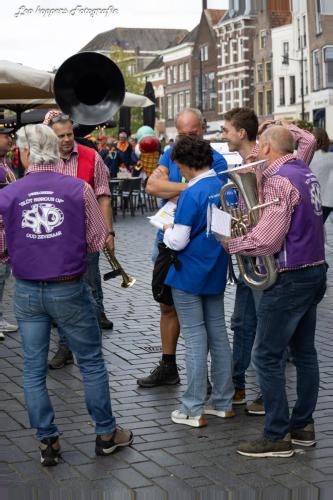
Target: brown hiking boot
{"points": [[256, 407], [239, 397], [62, 357]]}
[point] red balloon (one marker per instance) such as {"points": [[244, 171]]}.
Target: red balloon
{"points": [[149, 144]]}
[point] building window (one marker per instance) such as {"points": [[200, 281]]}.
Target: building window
{"points": [[174, 73], [187, 99], [169, 109], [260, 76], [181, 72], [181, 101], [316, 70], [318, 17], [285, 52], [175, 104], [235, 51], [292, 90], [298, 33], [328, 61], [269, 102], [187, 71], [263, 39], [260, 109], [282, 91], [268, 68], [204, 53], [169, 68]]}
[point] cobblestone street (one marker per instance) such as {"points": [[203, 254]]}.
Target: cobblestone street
{"points": [[166, 460]]}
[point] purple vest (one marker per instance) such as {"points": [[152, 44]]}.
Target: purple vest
{"points": [[304, 243], [44, 216]]}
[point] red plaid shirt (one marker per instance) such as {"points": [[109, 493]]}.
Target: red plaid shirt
{"points": [[96, 230], [101, 173], [267, 237]]}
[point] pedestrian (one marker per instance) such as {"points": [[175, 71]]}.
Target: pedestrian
{"points": [[198, 282], [6, 176], [292, 230], [51, 221], [322, 166]]}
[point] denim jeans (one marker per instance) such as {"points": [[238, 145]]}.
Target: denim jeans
{"points": [[244, 325], [287, 315], [70, 305], [203, 328], [4, 274], [93, 278]]}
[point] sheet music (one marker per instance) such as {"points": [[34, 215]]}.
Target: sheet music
{"points": [[218, 221], [165, 215]]}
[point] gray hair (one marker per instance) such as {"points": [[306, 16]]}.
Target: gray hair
{"points": [[41, 142], [280, 138], [196, 112]]}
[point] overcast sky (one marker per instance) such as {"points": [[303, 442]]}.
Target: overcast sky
{"points": [[32, 35]]}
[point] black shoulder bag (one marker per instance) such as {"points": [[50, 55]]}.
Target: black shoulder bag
{"points": [[166, 257]]}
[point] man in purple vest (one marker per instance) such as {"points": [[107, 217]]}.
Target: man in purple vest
{"points": [[52, 221], [292, 230]]}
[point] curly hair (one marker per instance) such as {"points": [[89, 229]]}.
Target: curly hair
{"points": [[193, 152]]}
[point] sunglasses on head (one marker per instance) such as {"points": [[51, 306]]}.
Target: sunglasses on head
{"points": [[59, 118]]}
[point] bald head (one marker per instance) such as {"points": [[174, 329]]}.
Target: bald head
{"points": [[280, 140], [189, 122]]}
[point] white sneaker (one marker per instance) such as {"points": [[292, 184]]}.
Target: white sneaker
{"points": [[180, 418], [7, 327], [2, 337], [209, 410]]}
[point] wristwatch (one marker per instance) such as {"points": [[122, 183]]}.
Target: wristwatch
{"points": [[112, 233]]}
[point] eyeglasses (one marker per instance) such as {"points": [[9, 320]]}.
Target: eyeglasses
{"points": [[59, 118]]}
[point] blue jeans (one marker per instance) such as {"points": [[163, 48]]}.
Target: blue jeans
{"points": [[70, 305], [93, 279], [203, 328], [287, 315], [4, 274], [244, 325]]}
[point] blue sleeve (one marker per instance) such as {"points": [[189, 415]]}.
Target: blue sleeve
{"points": [[219, 165], [165, 159], [187, 209]]}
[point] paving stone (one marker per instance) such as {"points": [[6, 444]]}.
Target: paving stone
{"points": [[166, 459]]}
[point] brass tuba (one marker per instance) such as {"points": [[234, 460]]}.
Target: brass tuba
{"points": [[90, 88], [246, 181]]}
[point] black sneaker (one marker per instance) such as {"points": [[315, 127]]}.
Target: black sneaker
{"points": [[49, 451], [163, 374], [62, 357], [262, 447], [106, 324], [304, 437], [120, 438]]}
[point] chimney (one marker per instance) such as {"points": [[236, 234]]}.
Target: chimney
{"points": [[204, 5]]}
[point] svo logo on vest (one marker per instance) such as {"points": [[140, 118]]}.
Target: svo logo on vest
{"points": [[42, 215]]}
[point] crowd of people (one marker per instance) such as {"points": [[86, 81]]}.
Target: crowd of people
{"points": [[64, 196]]}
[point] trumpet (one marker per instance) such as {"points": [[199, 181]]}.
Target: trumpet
{"points": [[245, 180], [117, 270]]}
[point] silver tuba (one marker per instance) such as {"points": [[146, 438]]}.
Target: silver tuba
{"points": [[246, 180]]}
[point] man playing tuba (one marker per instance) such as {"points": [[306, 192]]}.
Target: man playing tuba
{"points": [[292, 230]]}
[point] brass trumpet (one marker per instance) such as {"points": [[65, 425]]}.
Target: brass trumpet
{"points": [[117, 270]]}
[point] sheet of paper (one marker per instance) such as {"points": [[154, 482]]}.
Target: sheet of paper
{"points": [[221, 222], [231, 157], [165, 215]]}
